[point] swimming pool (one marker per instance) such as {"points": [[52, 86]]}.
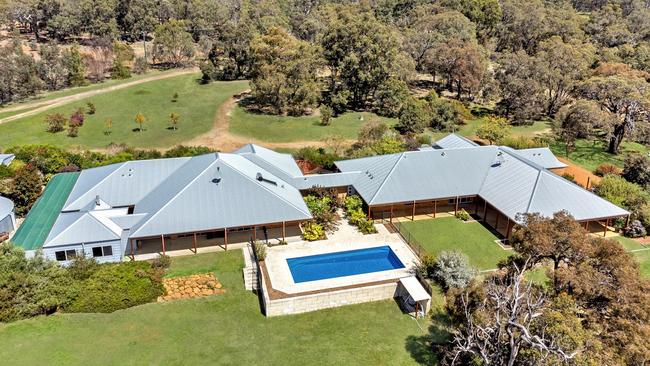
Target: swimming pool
{"points": [[340, 264]]}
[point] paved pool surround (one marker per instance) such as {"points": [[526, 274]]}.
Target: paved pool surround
{"points": [[282, 296]]}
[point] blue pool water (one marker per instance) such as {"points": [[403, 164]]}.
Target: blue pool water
{"points": [[340, 264]]}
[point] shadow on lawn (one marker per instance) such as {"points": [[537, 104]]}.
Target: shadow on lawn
{"points": [[424, 349]]}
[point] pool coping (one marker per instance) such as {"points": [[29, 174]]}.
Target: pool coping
{"points": [[278, 273]]}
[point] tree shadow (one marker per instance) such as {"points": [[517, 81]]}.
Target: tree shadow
{"points": [[425, 349], [480, 111]]}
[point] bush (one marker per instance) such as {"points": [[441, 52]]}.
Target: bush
{"points": [[622, 193], [426, 266], [522, 142], [637, 170], [463, 215], [55, 122], [313, 231], [260, 250], [635, 230], [356, 216], [163, 261], [570, 177], [91, 108], [326, 113], [322, 206], [118, 286], [605, 169], [452, 270], [353, 203], [77, 118], [366, 226], [73, 131], [140, 66]]}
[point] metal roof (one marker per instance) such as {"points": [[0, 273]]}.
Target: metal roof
{"points": [[419, 175], [217, 191], [121, 184], [504, 177], [325, 180], [6, 159], [540, 155], [79, 227], [454, 141], [6, 207], [275, 162]]}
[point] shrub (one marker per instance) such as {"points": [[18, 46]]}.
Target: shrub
{"points": [[140, 66], [82, 268], [91, 108], [163, 261], [73, 131], [322, 207], [635, 230], [353, 203], [326, 113], [620, 192], [77, 118], [463, 215], [366, 226], [637, 170], [426, 266], [55, 122], [570, 177], [119, 70], [605, 169], [313, 231], [260, 250], [118, 286], [452, 270], [174, 97], [522, 142]]}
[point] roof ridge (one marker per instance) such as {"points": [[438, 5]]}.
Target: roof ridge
{"points": [[89, 213], [530, 200], [143, 223], [274, 193], [119, 165], [387, 175]]}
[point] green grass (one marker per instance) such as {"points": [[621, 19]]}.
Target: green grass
{"points": [[628, 243], [269, 128], [42, 97], [644, 262], [449, 233], [590, 154], [221, 330], [196, 106]]}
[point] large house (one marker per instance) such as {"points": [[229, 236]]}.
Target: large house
{"points": [[145, 207]]}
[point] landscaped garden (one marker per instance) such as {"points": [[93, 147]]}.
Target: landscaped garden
{"points": [[222, 329], [195, 104], [449, 233]]}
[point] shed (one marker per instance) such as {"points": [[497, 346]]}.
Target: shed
{"points": [[415, 295]]}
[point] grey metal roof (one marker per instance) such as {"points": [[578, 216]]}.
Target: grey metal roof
{"points": [[217, 191], [6, 207], [540, 155], [275, 162], [454, 141], [78, 227], [325, 180], [6, 159], [508, 180], [121, 184], [420, 175]]}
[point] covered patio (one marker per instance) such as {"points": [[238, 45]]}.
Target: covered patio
{"points": [[218, 239]]}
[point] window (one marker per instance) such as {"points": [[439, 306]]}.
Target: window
{"points": [[65, 255], [102, 251]]}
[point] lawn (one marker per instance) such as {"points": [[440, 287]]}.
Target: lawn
{"points": [[42, 97], [644, 261], [449, 233], [270, 128], [223, 329], [590, 154], [196, 106]]}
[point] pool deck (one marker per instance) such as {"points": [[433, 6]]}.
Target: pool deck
{"points": [[344, 239]]}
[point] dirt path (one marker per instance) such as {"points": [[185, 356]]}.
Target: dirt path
{"points": [[220, 138], [581, 175], [40, 106]]}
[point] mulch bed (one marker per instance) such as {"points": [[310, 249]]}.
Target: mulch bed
{"points": [[188, 287]]}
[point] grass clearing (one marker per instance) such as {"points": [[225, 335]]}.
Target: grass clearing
{"points": [[644, 261], [224, 330], [270, 128], [591, 153], [196, 106], [46, 96], [449, 233]]}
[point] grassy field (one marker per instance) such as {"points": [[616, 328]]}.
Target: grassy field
{"points": [[590, 154], [223, 329], [196, 106], [269, 128], [42, 97], [449, 233]]}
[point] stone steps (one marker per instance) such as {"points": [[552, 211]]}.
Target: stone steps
{"points": [[251, 281]]}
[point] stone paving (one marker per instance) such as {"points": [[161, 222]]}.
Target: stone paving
{"points": [[188, 287]]}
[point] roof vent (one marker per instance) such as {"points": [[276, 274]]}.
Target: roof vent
{"points": [[443, 153], [260, 178], [97, 201], [216, 180]]}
